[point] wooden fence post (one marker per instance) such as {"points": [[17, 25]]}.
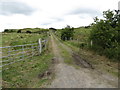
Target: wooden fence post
{"points": [[40, 46], [91, 43], [23, 53], [65, 38], [32, 50], [45, 44]]}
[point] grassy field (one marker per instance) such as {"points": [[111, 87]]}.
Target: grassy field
{"points": [[11, 39], [27, 30], [25, 74], [81, 36]]}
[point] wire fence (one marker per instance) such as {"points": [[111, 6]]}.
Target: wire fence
{"points": [[13, 54]]}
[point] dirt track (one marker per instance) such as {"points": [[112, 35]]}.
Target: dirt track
{"points": [[70, 77]]}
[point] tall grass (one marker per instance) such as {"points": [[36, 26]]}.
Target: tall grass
{"points": [[24, 74]]}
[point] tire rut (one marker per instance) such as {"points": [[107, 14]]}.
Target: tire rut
{"points": [[70, 77]]}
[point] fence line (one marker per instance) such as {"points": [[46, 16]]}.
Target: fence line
{"points": [[19, 45], [13, 54]]}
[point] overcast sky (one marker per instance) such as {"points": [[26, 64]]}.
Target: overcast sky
{"points": [[51, 13]]}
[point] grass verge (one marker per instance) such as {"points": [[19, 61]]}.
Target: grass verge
{"points": [[68, 59], [25, 74], [101, 63]]}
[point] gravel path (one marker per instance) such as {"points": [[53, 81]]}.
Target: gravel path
{"points": [[70, 77]]}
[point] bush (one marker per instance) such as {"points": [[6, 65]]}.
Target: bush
{"points": [[67, 33], [19, 31], [28, 32], [9, 30], [6, 30], [82, 45], [105, 35]]}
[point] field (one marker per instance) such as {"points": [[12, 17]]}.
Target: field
{"points": [[11, 39], [27, 30], [25, 73]]}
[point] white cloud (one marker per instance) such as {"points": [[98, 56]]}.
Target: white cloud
{"points": [[54, 13], [12, 7]]}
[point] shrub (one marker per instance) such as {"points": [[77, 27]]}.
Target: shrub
{"points": [[67, 33], [6, 30], [19, 31], [82, 45], [28, 32], [105, 34], [9, 30]]}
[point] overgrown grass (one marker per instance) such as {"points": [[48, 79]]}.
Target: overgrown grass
{"points": [[101, 63], [11, 39], [68, 59], [24, 74], [67, 56]]}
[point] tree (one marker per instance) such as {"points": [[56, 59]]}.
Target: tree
{"points": [[67, 33], [9, 30], [6, 30], [19, 31], [28, 32], [105, 34], [53, 29]]}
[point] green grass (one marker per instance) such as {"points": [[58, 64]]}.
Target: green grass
{"points": [[24, 30], [82, 33], [24, 74], [81, 36], [11, 39], [67, 56], [68, 59], [98, 62]]}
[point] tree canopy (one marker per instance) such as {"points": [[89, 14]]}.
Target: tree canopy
{"points": [[105, 34]]}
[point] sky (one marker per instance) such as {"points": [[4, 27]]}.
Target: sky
{"points": [[16, 14]]}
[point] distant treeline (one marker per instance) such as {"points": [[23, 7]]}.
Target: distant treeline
{"points": [[26, 30]]}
